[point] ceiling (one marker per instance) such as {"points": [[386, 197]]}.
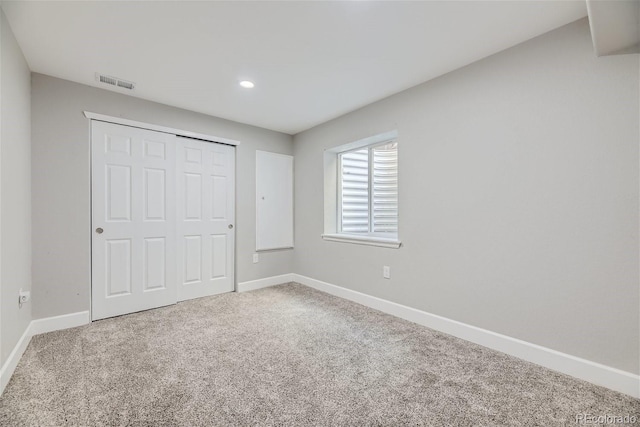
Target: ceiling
{"points": [[310, 61]]}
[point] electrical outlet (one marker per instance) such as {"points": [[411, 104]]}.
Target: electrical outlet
{"points": [[23, 297], [256, 258], [386, 272]]}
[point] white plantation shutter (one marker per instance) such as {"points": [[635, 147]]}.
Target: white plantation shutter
{"points": [[369, 190], [355, 191], [385, 189]]}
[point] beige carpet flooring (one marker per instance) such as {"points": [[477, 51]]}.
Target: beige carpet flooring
{"points": [[284, 356]]}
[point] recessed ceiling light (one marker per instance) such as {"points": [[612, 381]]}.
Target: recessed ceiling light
{"points": [[247, 84]]}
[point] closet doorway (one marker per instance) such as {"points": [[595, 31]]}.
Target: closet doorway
{"points": [[163, 210]]}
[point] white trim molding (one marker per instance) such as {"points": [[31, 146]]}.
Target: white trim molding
{"points": [[56, 323], [596, 373], [252, 285], [12, 361], [36, 327], [363, 240], [158, 128]]}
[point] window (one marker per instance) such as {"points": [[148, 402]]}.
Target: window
{"points": [[364, 177], [369, 190]]}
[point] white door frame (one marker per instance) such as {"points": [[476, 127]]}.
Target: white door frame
{"points": [[159, 128]]}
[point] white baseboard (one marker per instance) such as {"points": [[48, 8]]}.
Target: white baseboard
{"points": [[56, 323], [264, 283], [596, 373], [39, 326], [12, 361]]}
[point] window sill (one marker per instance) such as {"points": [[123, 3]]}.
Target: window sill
{"points": [[363, 240]]}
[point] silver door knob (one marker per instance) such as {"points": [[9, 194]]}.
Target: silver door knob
{"points": [[99, 230], [230, 226]]}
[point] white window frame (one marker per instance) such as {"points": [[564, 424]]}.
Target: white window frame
{"points": [[333, 196]]}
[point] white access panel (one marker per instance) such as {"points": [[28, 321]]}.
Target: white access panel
{"points": [[206, 212], [274, 201], [133, 219]]}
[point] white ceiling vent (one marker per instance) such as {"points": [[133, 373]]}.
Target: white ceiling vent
{"points": [[115, 81]]}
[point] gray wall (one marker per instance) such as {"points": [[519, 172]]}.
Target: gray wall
{"points": [[61, 186], [518, 198], [15, 184]]}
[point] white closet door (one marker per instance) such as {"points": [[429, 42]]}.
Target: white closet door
{"points": [[133, 219], [206, 200]]}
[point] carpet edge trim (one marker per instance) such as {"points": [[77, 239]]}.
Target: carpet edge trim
{"points": [[593, 372]]}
